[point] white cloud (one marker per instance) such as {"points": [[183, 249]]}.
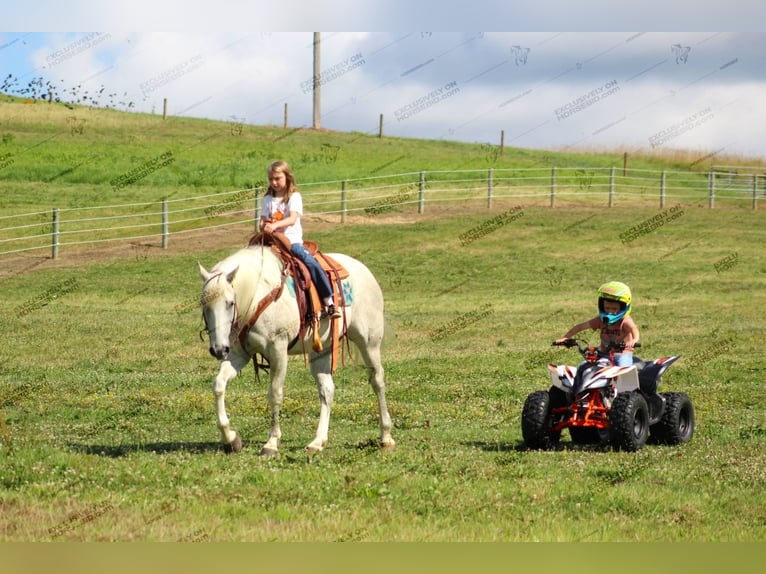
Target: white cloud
{"points": [[507, 81]]}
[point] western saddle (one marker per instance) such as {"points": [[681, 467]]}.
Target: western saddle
{"points": [[306, 294]]}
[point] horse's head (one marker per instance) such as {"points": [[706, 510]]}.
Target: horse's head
{"points": [[219, 309]]}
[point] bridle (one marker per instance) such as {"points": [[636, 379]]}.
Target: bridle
{"points": [[266, 300], [234, 319]]}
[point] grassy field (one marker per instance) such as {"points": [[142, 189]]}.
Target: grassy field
{"points": [[108, 429], [107, 424], [58, 156]]}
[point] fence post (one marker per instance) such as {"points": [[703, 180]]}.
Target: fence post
{"points": [[502, 142], [662, 189], [257, 216], [553, 185], [611, 186], [711, 185], [490, 177], [55, 233], [755, 191], [164, 223], [343, 201], [380, 126], [421, 191]]}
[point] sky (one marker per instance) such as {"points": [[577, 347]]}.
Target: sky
{"points": [[587, 83]]}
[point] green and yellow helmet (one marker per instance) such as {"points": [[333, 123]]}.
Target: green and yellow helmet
{"points": [[614, 291]]}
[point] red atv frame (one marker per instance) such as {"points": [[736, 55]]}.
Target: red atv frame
{"points": [[600, 402]]}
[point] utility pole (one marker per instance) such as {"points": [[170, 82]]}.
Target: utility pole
{"points": [[317, 84]]}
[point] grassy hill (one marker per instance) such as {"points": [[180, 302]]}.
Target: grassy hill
{"points": [[66, 155], [107, 426]]}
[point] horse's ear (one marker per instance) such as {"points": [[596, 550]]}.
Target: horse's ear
{"points": [[230, 275], [203, 272]]}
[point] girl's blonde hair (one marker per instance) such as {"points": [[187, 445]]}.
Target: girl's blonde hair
{"points": [[282, 167]]}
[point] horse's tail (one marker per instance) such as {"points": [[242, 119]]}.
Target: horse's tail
{"points": [[354, 356], [389, 335]]}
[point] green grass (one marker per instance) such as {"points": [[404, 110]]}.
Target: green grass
{"points": [[47, 160], [107, 421], [73, 158], [109, 429]]}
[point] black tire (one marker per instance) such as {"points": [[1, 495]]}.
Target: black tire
{"points": [[677, 423], [536, 422], [629, 422]]}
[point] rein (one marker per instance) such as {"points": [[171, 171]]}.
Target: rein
{"points": [[267, 300]]}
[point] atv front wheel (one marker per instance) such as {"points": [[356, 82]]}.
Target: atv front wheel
{"points": [[536, 421], [677, 423], [629, 422]]}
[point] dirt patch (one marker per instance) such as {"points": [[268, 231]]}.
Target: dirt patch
{"points": [[77, 256], [195, 241], [187, 242]]}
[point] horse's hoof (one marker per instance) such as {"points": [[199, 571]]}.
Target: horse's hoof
{"points": [[388, 445], [234, 446], [268, 452], [316, 446]]}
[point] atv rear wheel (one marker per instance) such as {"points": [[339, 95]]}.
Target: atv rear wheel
{"points": [[629, 422], [677, 423], [536, 421]]}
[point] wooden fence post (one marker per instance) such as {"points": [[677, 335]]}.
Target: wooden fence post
{"points": [[662, 189], [553, 185], [611, 186], [55, 233], [380, 126], [343, 201], [165, 224], [490, 179], [502, 142], [711, 185], [421, 191], [755, 191], [257, 216]]}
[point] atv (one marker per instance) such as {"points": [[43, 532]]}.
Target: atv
{"points": [[602, 403]]}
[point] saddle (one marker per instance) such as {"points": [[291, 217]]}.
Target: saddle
{"points": [[306, 294]]}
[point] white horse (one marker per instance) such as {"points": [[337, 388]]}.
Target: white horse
{"points": [[247, 281]]}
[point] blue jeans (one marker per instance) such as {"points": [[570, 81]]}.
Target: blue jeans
{"points": [[318, 275], [623, 359]]}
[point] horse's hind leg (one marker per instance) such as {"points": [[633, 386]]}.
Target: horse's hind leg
{"points": [[321, 370], [370, 351]]}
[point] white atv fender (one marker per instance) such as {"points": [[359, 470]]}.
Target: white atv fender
{"points": [[625, 378]]}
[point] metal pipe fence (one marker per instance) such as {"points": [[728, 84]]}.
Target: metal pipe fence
{"points": [[372, 196]]}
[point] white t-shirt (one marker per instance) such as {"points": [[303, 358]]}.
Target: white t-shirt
{"points": [[276, 205]]}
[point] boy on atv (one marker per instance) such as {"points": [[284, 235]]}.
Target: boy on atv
{"points": [[613, 321]]}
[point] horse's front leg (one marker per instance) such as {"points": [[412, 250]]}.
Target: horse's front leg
{"points": [[227, 371], [321, 369], [277, 372]]}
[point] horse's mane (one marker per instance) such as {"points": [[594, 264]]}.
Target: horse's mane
{"points": [[258, 273]]}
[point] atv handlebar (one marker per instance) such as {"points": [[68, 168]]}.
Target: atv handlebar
{"points": [[582, 346]]}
